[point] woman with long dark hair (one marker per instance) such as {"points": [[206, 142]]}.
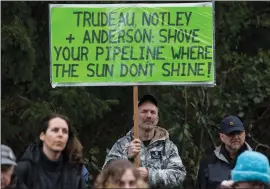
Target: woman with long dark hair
{"points": [[56, 161]]}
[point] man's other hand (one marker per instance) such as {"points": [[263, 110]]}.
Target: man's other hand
{"points": [[144, 172]]}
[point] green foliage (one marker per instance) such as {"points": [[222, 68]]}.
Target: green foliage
{"points": [[17, 38]]}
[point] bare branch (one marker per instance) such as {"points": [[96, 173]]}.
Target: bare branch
{"points": [[258, 143], [210, 136], [24, 98], [264, 113]]}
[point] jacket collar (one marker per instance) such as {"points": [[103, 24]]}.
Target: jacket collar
{"points": [[160, 134], [221, 156]]}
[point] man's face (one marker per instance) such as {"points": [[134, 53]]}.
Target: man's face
{"points": [[233, 141], [6, 174], [148, 116]]}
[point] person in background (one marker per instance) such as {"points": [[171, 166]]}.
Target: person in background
{"points": [[160, 163], [120, 174], [56, 161], [216, 167], [85, 174], [252, 170], [8, 163]]}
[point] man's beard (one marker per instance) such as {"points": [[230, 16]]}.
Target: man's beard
{"points": [[147, 127], [234, 147]]}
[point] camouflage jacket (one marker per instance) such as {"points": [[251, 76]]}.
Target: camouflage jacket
{"points": [[160, 157]]}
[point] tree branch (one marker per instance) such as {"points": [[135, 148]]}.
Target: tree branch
{"points": [[24, 98], [20, 138], [211, 137], [264, 113], [258, 143]]}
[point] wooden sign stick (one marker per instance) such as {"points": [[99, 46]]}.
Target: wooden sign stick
{"points": [[135, 119]]}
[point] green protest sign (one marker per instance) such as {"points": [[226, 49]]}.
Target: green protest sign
{"points": [[132, 44]]}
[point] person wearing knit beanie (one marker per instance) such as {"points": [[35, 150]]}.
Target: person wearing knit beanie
{"points": [[252, 167], [252, 170]]}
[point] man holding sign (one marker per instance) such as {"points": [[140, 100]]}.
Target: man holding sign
{"points": [[160, 162]]}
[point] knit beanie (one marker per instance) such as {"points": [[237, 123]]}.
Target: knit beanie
{"points": [[251, 166]]}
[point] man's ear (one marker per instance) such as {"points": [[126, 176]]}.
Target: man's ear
{"points": [[221, 136]]}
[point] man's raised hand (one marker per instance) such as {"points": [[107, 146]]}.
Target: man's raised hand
{"points": [[134, 148]]}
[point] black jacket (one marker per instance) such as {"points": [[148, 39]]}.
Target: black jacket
{"points": [[38, 172], [216, 167]]}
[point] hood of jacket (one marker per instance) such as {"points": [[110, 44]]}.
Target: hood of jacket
{"points": [[160, 134], [220, 156], [32, 153]]}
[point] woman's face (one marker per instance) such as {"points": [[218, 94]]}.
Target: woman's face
{"points": [[128, 180], [56, 136]]}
